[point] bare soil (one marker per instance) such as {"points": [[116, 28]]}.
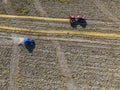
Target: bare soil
{"points": [[62, 62]]}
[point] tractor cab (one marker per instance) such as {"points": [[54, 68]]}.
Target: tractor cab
{"points": [[72, 20]]}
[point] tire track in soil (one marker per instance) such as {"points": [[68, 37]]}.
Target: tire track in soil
{"points": [[98, 3], [62, 62], [8, 7], [14, 66], [13, 83], [67, 79]]}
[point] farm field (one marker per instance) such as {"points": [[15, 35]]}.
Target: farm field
{"points": [[75, 7], [5, 57], [71, 61], [2, 10], [113, 6], [92, 65], [23, 7]]}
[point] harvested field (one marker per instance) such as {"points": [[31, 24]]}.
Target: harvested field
{"points": [[23, 7], [113, 6], [40, 69], [58, 9], [5, 57], [2, 9], [60, 61], [93, 66]]}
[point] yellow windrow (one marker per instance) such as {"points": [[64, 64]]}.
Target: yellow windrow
{"points": [[95, 34], [33, 17]]}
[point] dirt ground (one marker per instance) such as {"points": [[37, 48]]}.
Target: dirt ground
{"points": [[61, 62]]}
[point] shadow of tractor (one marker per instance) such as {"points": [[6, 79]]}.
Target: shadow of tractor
{"points": [[82, 23]]}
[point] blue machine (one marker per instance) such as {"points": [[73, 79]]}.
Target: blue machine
{"points": [[29, 44], [28, 41]]}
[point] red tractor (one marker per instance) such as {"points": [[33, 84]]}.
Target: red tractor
{"points": [[79, 20], [73, 21]]}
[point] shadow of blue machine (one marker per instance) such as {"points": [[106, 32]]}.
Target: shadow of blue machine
{"points": [[29, 44]]}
